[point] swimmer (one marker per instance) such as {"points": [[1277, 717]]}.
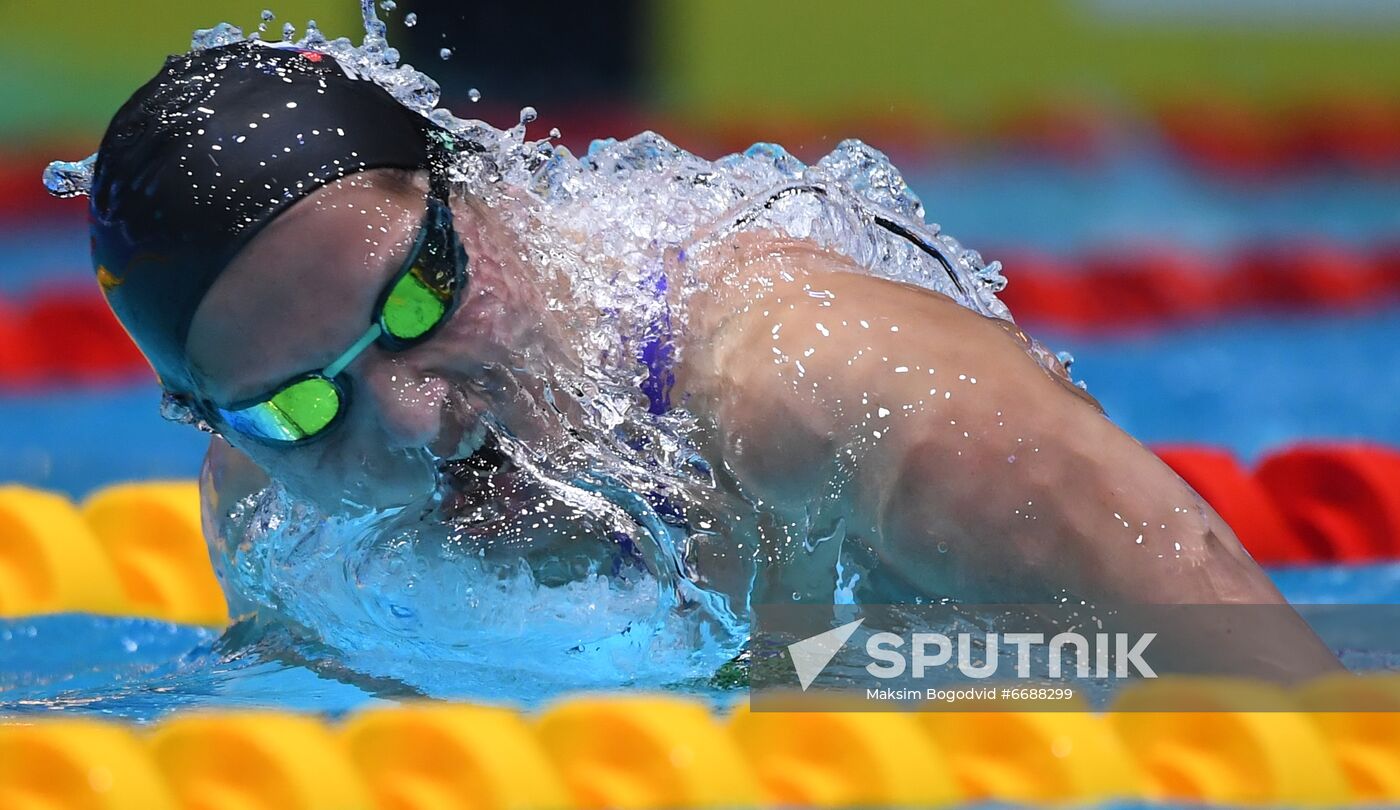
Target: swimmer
{"points": [[286, 245]]}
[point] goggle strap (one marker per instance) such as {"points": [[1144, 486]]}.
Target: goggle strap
{"points": [[370, 336]]}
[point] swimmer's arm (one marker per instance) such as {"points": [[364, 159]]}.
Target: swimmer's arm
{"points": [[1012, 487]]}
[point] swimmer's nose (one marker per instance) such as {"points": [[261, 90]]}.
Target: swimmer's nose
{"points": [[407, 404]]}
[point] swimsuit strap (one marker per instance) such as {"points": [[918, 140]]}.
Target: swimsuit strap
{"points": [[658, 353]]}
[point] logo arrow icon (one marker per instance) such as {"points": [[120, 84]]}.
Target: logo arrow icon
{"points": [[811, 655]]}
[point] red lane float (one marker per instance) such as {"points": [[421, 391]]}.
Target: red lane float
{"points": [[1355, 133], [1073, 133], [1157, 286], [19, 365], [64, 335], [1304, 504], [1363, 133], [1221, 136], [1323, 275], [74, 332], [1344, 502], [22, 194], [1150, 286], [1047, 286]]}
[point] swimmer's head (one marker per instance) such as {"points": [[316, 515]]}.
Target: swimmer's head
{"points": [[252, 210], [208, 152]]}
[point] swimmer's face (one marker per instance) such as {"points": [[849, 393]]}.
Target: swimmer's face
{"points": [[301, 293]]}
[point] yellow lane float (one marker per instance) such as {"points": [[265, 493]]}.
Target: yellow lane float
{"points": [[50, 560], [152, 534]]}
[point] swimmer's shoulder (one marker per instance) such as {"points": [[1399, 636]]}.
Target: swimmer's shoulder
{"points": [[752, 267], [750, 273]]}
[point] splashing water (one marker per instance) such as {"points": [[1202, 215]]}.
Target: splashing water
{"points": [[622, 556], [65, 178]]}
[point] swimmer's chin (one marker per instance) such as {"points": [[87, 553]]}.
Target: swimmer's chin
{"points": [[408, 480], [368, 496]]}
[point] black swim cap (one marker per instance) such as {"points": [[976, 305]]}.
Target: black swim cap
{"points": [[207, 153]]}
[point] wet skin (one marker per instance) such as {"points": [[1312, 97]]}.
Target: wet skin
{"points": [[981, 475], [965, 465]]}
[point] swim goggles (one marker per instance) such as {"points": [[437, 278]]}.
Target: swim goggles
{"points": [[417, 301]]}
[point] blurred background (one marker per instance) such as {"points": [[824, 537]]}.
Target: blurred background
{"points": [[1200, 201]]}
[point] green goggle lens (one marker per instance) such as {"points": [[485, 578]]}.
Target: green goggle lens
{"points": [[415, 304], [413, 307], [296, 412]]}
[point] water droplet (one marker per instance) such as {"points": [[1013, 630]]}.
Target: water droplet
{"points": [[1066, 359], [410, 19], [528, 115], [64, 178], [267, 15], [474, 94], [942, 547], [388, 5], [289, 32], [796, 596], [445, 53], [220, 35], [554, 132]]}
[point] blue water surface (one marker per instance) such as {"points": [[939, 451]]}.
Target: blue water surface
{"points": [[76, 440], [1250, 384]]}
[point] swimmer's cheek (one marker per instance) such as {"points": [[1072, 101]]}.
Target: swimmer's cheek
{"points": [[228, 475], [226, 478]]}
